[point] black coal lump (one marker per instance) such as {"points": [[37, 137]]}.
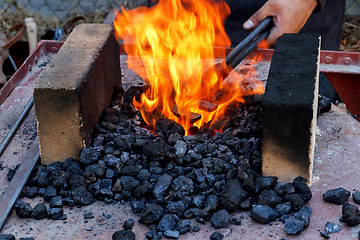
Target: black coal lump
{"points": [[183, 226], [263, 214], [31, 192], [332, 227], [270, 198], [356, 197], [168, 222], [294, 226], [88, 215], [336, 196], [123, 235], [220, 219], [23, 209], [50, 192], [12, 171], [172, 234], [56, 213], [325, 234], [128, 224], [262, 183], [350, 214], [7, 237], [152, 214], [216, 236], [233, 195], [39, 211], [283, 208], [56, 202], [302, 188]]}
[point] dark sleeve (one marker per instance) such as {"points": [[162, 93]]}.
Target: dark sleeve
{"points": [[320, 4]]}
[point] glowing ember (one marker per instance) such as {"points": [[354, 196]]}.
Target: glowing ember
{"points": [[174, 42]]}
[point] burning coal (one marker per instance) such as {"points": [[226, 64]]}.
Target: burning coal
{"points": [[176, 42]]}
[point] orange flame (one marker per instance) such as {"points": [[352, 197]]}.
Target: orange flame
{"points": [[175, 43]]}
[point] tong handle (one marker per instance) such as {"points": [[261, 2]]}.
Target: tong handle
{"points": [[249, 43]]}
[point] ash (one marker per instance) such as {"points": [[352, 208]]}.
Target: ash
{"points": [[169, 178]]}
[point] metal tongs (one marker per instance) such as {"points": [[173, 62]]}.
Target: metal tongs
{"points": [[242, 49]]}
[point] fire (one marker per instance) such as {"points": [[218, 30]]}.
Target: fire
{"points": [[177, 42]]}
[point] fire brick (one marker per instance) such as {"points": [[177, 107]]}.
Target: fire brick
{"points": [[75, 87], [290, 107]]}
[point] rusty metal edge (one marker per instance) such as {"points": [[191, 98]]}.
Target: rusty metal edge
{"points": [[16, 185], [43, 47]]}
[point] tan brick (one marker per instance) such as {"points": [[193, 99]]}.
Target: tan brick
{"points": [[75, 87], [290, 107]]}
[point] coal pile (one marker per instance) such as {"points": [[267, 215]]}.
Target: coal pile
{"points": [[169, 178]]}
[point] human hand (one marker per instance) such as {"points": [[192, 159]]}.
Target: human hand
{"points": [[288, 16]]}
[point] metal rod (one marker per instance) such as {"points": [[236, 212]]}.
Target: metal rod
{"points": [[12, 192], [251, 46], [17, 124], [240, 47], [12, 62]]}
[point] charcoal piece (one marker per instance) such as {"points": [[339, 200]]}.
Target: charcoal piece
{"points": [[59, 179], [74, 169], [289, 188], [233, 195], [168, 127], [90, 155], [88, 215], [67, 163], [117, 186], [263, 183], [324, 104], [50, 192], [183, 226], [304, 215], [128, 183], [263, 214], [302, 188], [155, 150], [106, 183], [151, 234], [162, 185], [180, 148], [68, 201], [100, 169], [56, 202], [182, 184], [128, 224], [294, 226], [198, 201], [123, 235], [332, 227], [216, 236], [350, 214], [138, 206], [173, 138], [143, 190], [111, 161], [196, 228], [31, 192], [110, 115], [279, 188], [81, 196], [211, 203], [171, 234], [43, 178], [295, 200], [236, 221], [356, 197], [23, 209], [336, 196], [270, 198], [245, 205], [109, 173], [39, 211], [55, 166], [200, 220], [220, 219], [7, 237], [168, 222], [144, 174], [283, 208], [176, 207], [284, 218], [192, 213], [152, 214], [90, 172], [77, 181], [128, 170], [103, 193], [55, 213], [325, 234]]}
